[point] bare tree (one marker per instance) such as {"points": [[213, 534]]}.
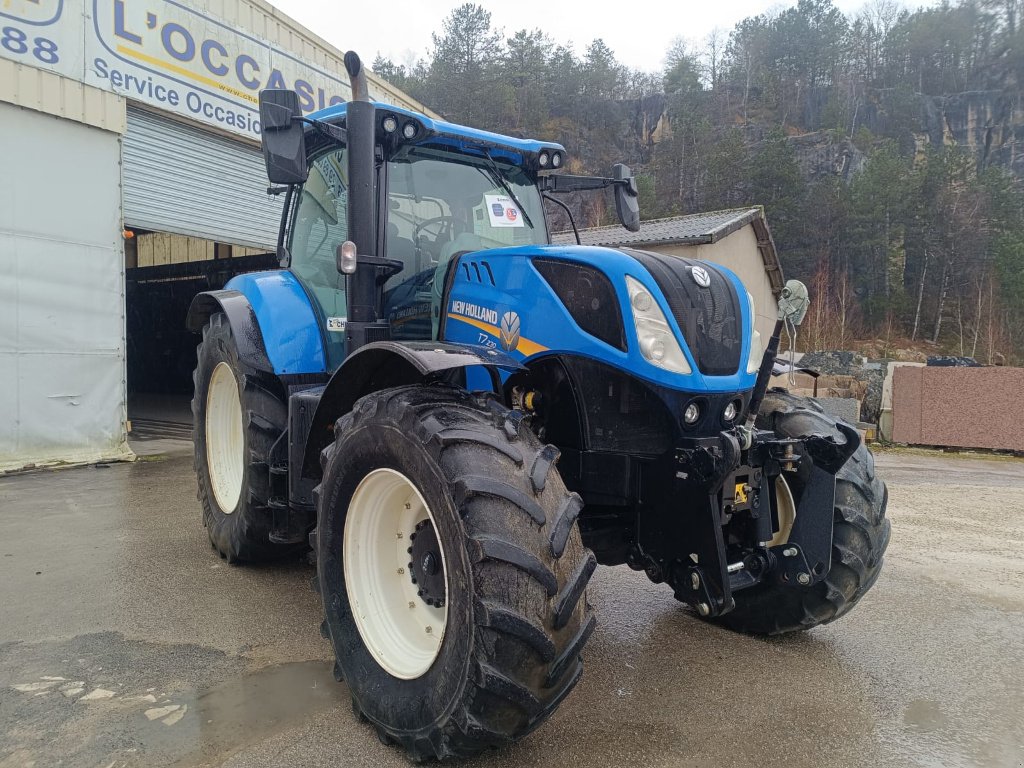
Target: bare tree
{"points": [[711, 56]]}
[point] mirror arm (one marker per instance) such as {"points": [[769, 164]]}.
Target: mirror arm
{"points": [[563, 183]]}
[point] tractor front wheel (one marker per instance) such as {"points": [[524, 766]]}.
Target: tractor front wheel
{"points": [[451, 570], [860, 533]]}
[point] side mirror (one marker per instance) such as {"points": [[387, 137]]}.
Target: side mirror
{"points": [[794, 302], [284, 142], [627, 199]]}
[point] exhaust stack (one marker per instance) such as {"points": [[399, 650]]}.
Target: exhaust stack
{"points": [[363, 288], [357, 77]]}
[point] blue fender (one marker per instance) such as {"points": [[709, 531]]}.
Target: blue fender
{"points": [[291, 333], [242, 320], [272, 319]]}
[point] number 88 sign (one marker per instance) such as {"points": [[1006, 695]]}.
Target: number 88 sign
{"points": [[16, 41], [40, 34]]}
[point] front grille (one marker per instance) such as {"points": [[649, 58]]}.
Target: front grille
{"points": [[709, 317]]}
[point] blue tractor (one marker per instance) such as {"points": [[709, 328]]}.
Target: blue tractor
{"points": [[462, 420]]}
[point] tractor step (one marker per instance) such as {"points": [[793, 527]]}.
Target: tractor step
{"points": [[290, 527]]}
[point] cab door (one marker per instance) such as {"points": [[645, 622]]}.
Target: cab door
{"points": [[318, 227]]}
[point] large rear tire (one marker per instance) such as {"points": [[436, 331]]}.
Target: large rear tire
{"points": [[860, 535], [237, 415], [452, 490]]}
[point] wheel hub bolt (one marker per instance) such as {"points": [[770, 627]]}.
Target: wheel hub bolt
{"points": [[803, 578], [703, 609], [789, 552], [695, 581]]}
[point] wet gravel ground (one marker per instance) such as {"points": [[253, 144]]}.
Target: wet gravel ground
{"points": [[124, 641]]}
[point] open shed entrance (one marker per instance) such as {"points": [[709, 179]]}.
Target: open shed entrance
{"points": [[196, 202], [163, 272]]}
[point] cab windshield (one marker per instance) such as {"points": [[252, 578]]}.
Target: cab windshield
{"points": [[442, 204]]}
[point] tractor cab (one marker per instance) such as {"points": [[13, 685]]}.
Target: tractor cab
{"points": [[438, 198], [440, 191]]}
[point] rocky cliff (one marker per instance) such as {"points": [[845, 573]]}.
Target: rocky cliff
{"points": [[988, 123]]}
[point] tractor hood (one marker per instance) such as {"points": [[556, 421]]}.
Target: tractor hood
{"points": [[672, 321]]}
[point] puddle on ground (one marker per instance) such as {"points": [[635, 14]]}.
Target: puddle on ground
{"points": [[923, 716], [248, 709], [102, 700]]}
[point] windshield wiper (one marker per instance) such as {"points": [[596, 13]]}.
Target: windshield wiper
{"points": [[497, 176], [331, 131]]}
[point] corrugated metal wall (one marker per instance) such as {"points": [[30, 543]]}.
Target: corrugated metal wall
{"points": [[191, 182], [48, 92]]}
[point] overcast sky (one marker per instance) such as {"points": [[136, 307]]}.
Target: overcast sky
{"points": [[639, 31]]}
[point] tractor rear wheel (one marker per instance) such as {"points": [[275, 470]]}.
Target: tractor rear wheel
{"points": [[237, 414], [860, 533], [451, 569]]}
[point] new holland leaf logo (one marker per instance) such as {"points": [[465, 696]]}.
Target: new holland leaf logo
{"points": [[509, 331]]}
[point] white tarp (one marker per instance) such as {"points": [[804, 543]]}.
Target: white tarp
{"points": [[62, 385]]}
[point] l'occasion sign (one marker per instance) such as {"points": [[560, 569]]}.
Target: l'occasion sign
{"points": [[166, 54]]}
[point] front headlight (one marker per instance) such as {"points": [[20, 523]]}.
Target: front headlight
{"points": [[658, 343], [756, 347]]}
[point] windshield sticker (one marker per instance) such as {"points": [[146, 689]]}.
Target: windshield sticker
{"points": [[503, 212]]}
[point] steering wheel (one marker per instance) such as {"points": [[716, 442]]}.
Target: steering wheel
{"points": [[449, 220]]}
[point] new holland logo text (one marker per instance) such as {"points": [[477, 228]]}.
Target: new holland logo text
{"points": [[466, 309]]}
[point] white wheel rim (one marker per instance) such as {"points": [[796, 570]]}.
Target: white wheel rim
{"points": [[225, 442], [401, 632], [787, 512]]}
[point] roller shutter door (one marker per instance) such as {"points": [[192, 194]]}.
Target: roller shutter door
{"points": [[184, 180]]}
